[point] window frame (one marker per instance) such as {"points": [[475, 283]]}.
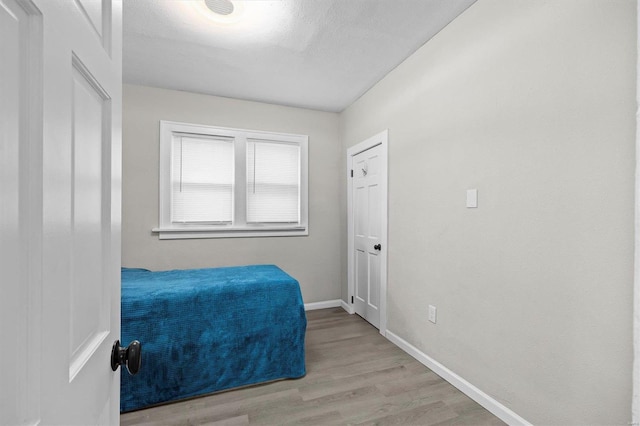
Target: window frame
{"points": [[239, 227]]}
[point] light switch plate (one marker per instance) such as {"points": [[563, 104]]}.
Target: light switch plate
{"points": [[472, 198]]}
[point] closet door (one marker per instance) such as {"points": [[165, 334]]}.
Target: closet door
{"points": [[367, 213]]}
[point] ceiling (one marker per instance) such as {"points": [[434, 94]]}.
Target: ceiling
{"points": [[318, 54]]}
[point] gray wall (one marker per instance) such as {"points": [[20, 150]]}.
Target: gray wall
{"points": [[533, 104], [530, 102], [313, 260]]}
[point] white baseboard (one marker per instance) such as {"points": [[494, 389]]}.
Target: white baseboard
{"points": [[496, 408], [347, 307], [322, 305]]}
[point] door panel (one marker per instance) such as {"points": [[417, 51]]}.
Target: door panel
{"points": [[361, 222], [89, 295], [93, 12], [362, 286], [374, 281], [374, 211]]}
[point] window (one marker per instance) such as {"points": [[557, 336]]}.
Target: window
{"points": [[220, 182]]}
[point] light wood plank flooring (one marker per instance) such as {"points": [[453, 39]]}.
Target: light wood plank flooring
{"points": [[354, 376]]}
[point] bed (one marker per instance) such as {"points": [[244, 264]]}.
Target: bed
{"points": [[207, 330]]}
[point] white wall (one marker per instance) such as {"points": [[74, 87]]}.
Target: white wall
{"points": [[533, 104], [313, 260]]}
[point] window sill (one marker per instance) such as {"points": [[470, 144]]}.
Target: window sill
{"points": [[227, 232]]}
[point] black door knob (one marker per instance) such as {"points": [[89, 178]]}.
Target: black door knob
{"points": [[131, 356], [377, 247]]}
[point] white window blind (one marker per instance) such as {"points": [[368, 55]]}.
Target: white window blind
{"points": [[202, 177], [273, 182]]}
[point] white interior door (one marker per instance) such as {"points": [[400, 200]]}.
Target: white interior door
{"points": [[367, 228], [60, 220]]}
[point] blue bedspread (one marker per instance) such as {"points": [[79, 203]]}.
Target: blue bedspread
{"points": [[206, 330]]}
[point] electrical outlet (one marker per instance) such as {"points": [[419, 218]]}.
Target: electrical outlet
{"points": [[432, 314]]}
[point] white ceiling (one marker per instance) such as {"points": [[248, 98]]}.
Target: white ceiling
{"points": [[318, 54]]}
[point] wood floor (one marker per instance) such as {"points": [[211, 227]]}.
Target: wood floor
{"points": [[354, 376]]}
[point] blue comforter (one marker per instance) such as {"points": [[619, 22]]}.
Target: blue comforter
{"points": [[206, 330]]}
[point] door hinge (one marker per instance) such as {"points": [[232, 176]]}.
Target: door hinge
{"points": [[351, 173], [351, 299]]}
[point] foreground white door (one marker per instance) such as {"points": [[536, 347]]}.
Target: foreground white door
{"points": [[60, 74]]}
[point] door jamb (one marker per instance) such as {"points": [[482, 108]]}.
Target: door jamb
{"points": [[382, 139], [635, 373]]}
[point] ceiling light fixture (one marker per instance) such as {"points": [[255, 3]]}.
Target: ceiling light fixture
{"points": [[221, 7], [220, 11]]}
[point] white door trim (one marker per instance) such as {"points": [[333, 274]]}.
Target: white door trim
{"points": [[635, 406], [21, 230], [382, 139]]}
